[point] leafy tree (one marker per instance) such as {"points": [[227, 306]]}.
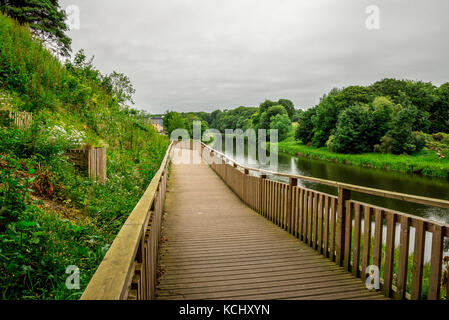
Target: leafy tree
{"points": [[266, 104], [304, 130], [354, 128], [119, 85], [288, 105], [324, 120], [265, 117], [440, 112], [382, 116], [296, 115], [173, 120], [282, 123], [401, 138], [46, 19]]}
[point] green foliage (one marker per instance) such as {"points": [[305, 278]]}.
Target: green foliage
{"points": [[266, 116], [238, 118], [440, 111], [402, 137], [289, 106], [281, 122], [53, 215], [304, 130], [45, 18], [425, 105], [354, 128], [173, 120]]}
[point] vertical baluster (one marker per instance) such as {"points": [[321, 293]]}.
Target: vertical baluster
{"points": [[403, 257], [418, 260], [436, 262], [301, 214], [326, 227], [343, 196], [305, 215], [389, 253], [333, 228], [309, 218], [377, 250], [366, 240], [348, 236], [356, 246]]}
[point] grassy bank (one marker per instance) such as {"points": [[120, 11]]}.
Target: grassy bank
{"points": [[52, 215], [425, 162]]}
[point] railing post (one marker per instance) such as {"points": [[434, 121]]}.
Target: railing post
{"points": [[244, 191], [343, 196], [293, 182], [261, 192]]}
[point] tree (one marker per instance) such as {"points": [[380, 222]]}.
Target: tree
{"points": [[288, 105], [46, 19], [401, 138], [265, 117], [266, 104], [304, 130], [382, 116], [119, 85], [440, 112], [173, 120], [354, 130], [282, 123]]}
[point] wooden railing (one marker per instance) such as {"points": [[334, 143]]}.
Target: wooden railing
{"points": [[128, 271], [338, 227]]}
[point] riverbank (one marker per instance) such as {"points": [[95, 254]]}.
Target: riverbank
{"points": [[425, 162]]}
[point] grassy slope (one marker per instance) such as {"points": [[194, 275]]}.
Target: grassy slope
{"points": [[72, 220], [425, 162]]}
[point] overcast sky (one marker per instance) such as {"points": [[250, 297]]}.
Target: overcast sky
{"points": [[202, 55]]}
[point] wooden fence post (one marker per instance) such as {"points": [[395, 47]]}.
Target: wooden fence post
{"points": [[343, 196], [261, 193], [293, 182]]}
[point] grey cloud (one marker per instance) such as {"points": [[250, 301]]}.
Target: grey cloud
{"points": [[192, 55]]}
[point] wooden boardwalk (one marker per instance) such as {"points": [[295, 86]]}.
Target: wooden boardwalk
{"points": [[216, 247]]}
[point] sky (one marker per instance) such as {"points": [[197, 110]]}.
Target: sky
{"points": [[203, 55]]}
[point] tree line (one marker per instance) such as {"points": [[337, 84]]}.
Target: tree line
{"points": [[269, 115], [389, 116]]}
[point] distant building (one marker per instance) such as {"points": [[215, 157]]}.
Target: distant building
{"points": [[157, 124]]}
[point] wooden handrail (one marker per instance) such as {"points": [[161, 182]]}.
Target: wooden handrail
{"points": [[372, 191], [128, 269], [339, 227]]}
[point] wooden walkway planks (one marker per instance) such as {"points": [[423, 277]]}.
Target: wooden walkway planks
{"points": [[218, 248]]}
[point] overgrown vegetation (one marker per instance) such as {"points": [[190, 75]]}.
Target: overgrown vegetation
{"points": [[52, 215]]}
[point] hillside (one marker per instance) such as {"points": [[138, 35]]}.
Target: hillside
{"points": [[52, 215]]}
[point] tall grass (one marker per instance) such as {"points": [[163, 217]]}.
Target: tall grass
{"points": [[425, 162], [52, 215]]}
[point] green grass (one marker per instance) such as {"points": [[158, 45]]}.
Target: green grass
{"points": [[425, 162]]}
